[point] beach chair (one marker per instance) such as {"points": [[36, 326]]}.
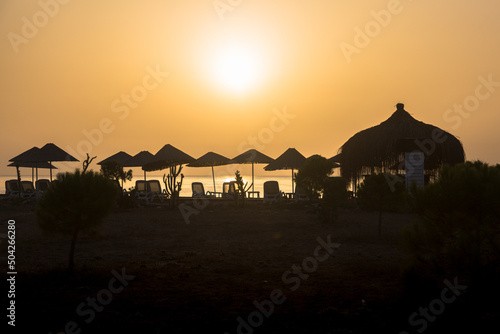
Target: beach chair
{"points": [[154, 189], [198, 189], [300, 194], [272, 192], [11, 188], [229, 189], [42, 185], [141, 188], [27, 189]]}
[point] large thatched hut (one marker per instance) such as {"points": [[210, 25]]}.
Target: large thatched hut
{"points": [[382, 148]]}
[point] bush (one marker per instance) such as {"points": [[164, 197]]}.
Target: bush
{"points": [[313, 175], [458, 232], [76, 202]]}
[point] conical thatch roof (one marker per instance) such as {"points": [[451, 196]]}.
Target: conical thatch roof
{"points": [[120, 157], [210, 159], [380, 147], [33, 154], [140, 159], [51, 152], [167, 156], [290, 159], [252, 156]]}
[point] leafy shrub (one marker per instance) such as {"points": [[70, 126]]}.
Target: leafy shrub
{"points": [[313, 175], [76, 202], [458, 232]]}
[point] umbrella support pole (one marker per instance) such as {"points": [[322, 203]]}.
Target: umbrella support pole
{"points": [[213, 177], [293, 191], [253, 183]]}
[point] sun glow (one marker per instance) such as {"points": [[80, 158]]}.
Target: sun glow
{"points": [[237, 68]]}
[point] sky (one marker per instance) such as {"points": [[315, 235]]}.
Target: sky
{"points": [[99, 77]]}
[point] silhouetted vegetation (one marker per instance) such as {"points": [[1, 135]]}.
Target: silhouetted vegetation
{"points": [[313, 175], [377, 193], [172, 186], [458, 233], [114, 171], [76, 202], [241, 188]]}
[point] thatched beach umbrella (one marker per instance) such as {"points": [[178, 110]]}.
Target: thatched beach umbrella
{"points": [[31, 156], [290, 159], [141, 159], [380, 147], [254, 157], [120, 157], [210, 159], [50, 152], [168, 156]]}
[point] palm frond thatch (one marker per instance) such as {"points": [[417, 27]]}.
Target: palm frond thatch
{"points": [[380, 147]]}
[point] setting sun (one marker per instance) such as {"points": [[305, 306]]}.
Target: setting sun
{"points": [[236, 67]]}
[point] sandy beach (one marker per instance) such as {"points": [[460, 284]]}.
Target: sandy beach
{"points": [[231, 269]]}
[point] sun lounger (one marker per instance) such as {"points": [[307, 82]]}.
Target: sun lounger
{"points": [[300, 194], [148, 190], [12, 188], [155, 191], [198, 189], [229, 189], [27, 189], [272, 192], [41, 186]]}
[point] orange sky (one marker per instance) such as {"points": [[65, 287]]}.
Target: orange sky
{"points": [[136, 75]]}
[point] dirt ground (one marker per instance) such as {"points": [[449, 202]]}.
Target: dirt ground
{"points": [[257, 269]]}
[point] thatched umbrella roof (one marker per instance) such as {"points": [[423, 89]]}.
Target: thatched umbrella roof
{"points": [[140, 159], [168, 156], [380, 147], [290, 159], [31, 155], [120, 157]]}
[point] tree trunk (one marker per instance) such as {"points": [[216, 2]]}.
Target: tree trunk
{"points": [[72, 251]]}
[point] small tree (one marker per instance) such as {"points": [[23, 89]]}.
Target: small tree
{"points": [[76, 202], [114, 171], [313, 175], [241, 188], [377, 194]]}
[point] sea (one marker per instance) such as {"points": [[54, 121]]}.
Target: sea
{"points": [[285, 182]]}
